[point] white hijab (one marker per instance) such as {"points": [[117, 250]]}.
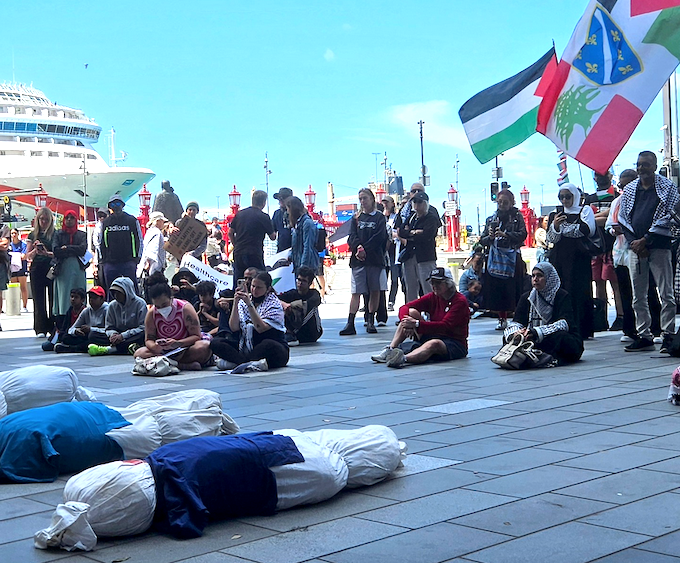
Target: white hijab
{"points": [[587, 215]]}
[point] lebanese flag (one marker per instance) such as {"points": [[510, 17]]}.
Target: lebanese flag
{"points": [[617, 60]]}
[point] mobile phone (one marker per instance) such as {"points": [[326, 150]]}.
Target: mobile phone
{"points": [[559, 209], [241, 285]]}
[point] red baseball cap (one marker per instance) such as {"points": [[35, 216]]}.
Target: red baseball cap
{"points": [[98, 290]]}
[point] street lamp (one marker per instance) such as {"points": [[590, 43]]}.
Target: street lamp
{"points": [[144, 207], [453, 219], [530, 219], [380, 193], [235, 202], [310, 199]]}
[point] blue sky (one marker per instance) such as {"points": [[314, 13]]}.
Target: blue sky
{"points": [[199, 91]]}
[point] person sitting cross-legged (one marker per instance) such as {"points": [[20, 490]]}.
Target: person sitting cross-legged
{"points": [[301, 309], [441, 338], [545, 316], [172, 324], [124, 328], [91, 321]]}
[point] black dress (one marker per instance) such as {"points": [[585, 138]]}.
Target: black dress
{"points": [[572, 262], [565, 347], [503, 294]]}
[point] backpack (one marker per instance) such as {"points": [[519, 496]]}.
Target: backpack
{"points": [[320, 244]]}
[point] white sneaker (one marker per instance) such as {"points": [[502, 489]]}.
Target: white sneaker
{"points": [[40, 335], [224, 365], [24, 310], [625, 338], [658, 340], [395, 358], [247, 367], [381, 357]]}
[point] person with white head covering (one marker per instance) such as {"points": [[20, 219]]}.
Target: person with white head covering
{"points": [[568, 228], [545, 316], [153, 253]]}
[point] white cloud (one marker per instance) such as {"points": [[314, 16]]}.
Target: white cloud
{"points": [[442, 125], [329, 55]]}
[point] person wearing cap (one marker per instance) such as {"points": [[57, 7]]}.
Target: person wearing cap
{"points": [[153, 249], [191, 211], [91, 321], [95, 246], [247, 232], [121, 243], [281, 221], [419, 254], [124, 325], [442, 337]]}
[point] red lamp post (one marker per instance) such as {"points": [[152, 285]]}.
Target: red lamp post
{"points": [[530, 219], [453, 219], [144, 207], [310, 200]]}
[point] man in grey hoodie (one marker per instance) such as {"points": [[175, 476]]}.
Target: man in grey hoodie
{"points": [[124, 329]]}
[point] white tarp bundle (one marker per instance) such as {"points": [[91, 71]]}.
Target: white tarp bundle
{"points": [[371, 452], [39, 386], [322, 475], [119, 498], [170, 418]]}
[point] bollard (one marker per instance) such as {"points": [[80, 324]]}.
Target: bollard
{"points": [[13, 300]]}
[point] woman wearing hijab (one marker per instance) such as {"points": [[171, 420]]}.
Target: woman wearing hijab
{"points": [[545, 316], [506, 230], [69, 247], [567, 230]]}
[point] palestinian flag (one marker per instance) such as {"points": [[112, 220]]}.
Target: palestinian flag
{"points": [[617, 60], [504, 115]]}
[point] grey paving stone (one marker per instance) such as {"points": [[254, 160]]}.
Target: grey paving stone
{"points": [[567, 543], [595, 442], [622, 418], [314, 541], [624, 487], [414, 464], [23, 551], [464, 406], [152, 548], [638, 556], [478, 449], [346, 503], [512, 462], [532, 514], [215, 557], [475, 417], [668, 466], [620, 459], [22, 527], [13, 490], [540, 418], [655, 427], [653, 516], [423, 484], [12, 508], [435, 508], [669, 442], [536, 481], [557, 431], [467, 433], [667, 544], [409, 430], [427, 545]]}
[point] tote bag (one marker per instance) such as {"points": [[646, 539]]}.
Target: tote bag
{"points": [[501, 261]]}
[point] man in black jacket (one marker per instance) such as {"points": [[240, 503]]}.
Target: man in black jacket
{"points": [[419, 232], [120, 243]]}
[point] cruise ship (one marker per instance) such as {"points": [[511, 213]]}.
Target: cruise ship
{"points": [[46, 148]]}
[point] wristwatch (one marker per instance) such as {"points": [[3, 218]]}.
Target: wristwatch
{"points": [[417, 324]]}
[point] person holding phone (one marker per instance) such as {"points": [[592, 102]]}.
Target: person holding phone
{"points": [[39, 254], [570, 222], [506, 230]]}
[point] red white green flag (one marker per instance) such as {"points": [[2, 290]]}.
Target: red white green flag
{"points": [[616, 62]]}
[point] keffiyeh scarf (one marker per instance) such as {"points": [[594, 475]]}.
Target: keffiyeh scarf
{"points": [[270, 311]]}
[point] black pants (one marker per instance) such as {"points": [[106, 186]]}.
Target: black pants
{"points": [[395, 276], [273, 351], [41, 289], [122, 348], [565, 347], [77, 342], [244, 261], [118, 270]]}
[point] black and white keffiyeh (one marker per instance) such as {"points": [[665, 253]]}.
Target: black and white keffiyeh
{"points": [[668, 199], [270, 311], [542, 301]]}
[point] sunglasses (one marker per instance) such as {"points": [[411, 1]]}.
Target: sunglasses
{"points": [[565, 196]]}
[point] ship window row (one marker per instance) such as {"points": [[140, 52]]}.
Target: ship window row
{"points": [[49, 128], [49, 154]]}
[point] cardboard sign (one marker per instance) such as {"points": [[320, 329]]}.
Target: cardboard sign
{"points": [[205, 272], [191, 233]]}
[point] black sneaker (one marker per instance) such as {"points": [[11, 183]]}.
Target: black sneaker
{"points": [[666, 344], [349, 330], [617, 325], [641, 345], [61, 348]]}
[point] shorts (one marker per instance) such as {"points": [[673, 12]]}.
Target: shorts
{"points": [[454, 349], [319, 270], [603, 268], [366, 279]]}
